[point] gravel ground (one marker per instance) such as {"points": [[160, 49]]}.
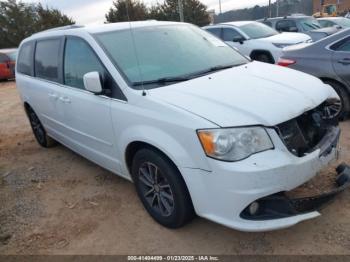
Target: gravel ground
{"points": [[52, 201]]}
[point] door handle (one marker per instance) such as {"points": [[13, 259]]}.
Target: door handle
{"points": [[53, 96], [345, 61], [64, 99]]}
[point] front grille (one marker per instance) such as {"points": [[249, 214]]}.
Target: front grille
{"points": [[301, 135]]}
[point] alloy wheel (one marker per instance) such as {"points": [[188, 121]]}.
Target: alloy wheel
{"points": [[37, 127], [156, 189]]}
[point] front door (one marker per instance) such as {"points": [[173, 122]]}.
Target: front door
{"points": [[87, 116], [341, 59]]}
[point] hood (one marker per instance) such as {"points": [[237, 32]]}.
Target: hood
{"points": [[252, 94], [288, 38]]}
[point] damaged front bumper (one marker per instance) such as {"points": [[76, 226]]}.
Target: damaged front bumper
{"points": [[281, 206]]}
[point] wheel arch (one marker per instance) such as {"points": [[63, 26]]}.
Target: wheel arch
{"points": [[135, 146], [336, 81], [256, 52]]}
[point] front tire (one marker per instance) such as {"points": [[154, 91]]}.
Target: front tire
{"points": [[38, 130], [161, 189], [344, 109]]}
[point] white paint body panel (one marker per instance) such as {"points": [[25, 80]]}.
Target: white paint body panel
{"points": [[263, 44], [101, 128]]}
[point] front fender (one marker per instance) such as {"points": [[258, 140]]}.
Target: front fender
{"points": [[184, 155]]}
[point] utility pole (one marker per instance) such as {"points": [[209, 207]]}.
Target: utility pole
{"points": [[181, 10], [270, 11], [277, 8], [220, 6]]}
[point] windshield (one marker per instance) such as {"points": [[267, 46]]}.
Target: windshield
{"points": [[343, 22], [257, 30], [309, 24], [169, 51]]}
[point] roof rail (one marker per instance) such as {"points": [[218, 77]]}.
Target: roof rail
{"points": [[64, 28]]}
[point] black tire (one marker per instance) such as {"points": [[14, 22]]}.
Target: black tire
{"points": [[175, 212], [344, 98], [262, 57], [38, 130]]}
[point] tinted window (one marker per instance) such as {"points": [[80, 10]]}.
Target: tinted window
{"points": [[309, 24], [47, 59], [79, 60], [285, 25], [268, 23], [25, 59], [229, 34], [325, 23], [343, 45], [215, 31]]}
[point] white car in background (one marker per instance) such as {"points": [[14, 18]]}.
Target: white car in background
{"points": [[256, 40]]}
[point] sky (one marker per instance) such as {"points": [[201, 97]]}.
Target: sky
{"points": [[93, 11]]}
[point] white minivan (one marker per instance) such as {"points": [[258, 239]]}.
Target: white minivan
{"points": [[197, 127]]}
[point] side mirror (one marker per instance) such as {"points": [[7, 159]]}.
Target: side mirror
{"points": [[293, 29], [238, 39], [92, 82]]}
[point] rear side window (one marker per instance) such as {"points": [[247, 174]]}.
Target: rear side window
{"points": [[230, 34], [79, 59], [286, 25], [342, 46], [25, 59], [215, 31], [47, 59]]}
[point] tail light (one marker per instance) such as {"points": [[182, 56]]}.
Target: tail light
{"points": [[8, 64], [285, 62]]}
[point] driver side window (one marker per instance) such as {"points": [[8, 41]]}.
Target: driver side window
{"points": [[229, 34], [79, 59], [286, 25]]}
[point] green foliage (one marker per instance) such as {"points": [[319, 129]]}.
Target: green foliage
{"points": [[125, 10], [194, 11], [19, 20]]}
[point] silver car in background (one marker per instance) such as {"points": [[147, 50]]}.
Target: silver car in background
{"points": [[327, 59]]}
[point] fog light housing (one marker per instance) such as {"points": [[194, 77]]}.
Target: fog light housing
{"points": [[254, 208]]}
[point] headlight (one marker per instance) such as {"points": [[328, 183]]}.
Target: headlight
{"points": [[233, 144], [281, 45]]}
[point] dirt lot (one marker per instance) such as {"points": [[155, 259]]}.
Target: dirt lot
{"points": [[52, 201]]}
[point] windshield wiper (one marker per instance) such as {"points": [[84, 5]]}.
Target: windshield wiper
{"points": [[162, 80], [165, 80], [214, 69]]}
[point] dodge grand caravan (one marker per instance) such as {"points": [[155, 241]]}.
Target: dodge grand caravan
{"points": [[195, 125]]}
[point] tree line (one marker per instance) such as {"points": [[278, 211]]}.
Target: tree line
{"points": [[194, 11], [285, 7], [19, 20]]}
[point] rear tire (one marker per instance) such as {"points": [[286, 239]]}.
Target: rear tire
{"points": [[38, 130], [161, 189], [262, 57], [344, 98]]}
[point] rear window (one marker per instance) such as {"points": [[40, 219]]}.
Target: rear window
{"points": [[25, 59], [47, 59]]}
